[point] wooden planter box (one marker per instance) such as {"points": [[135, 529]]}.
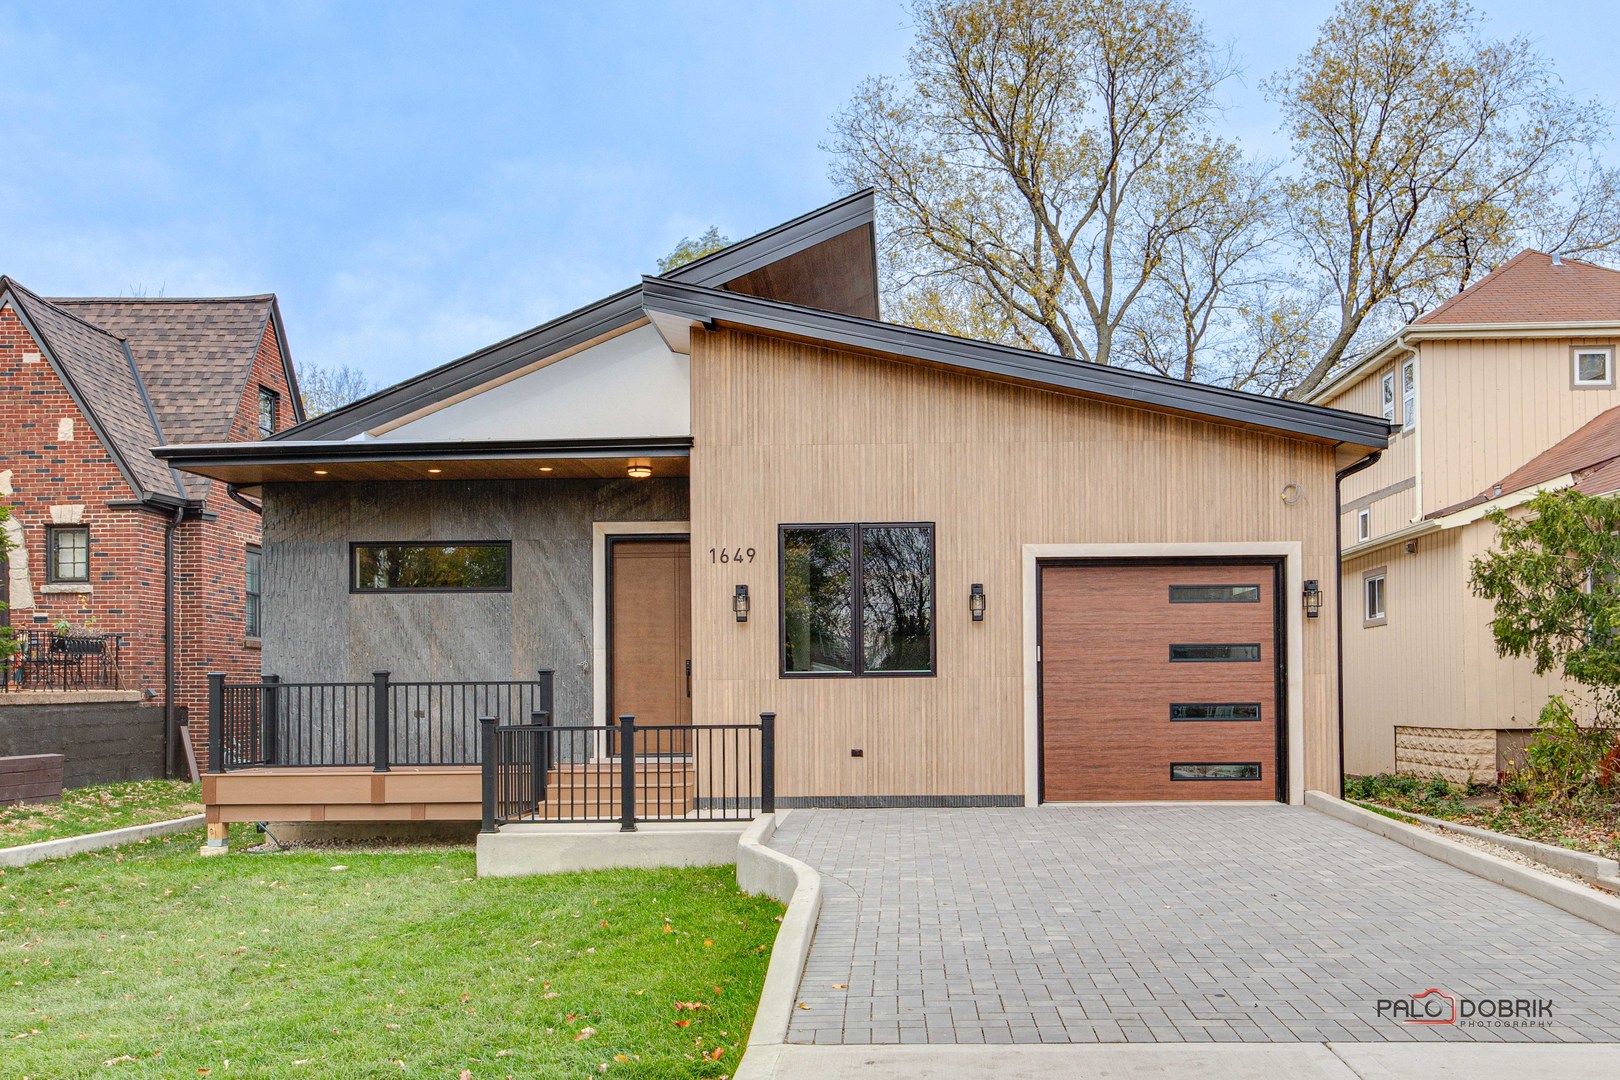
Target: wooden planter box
{"points": [[30, 779]]}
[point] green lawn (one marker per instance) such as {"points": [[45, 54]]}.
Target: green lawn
{"points": [[151, 961], [93, 809]]}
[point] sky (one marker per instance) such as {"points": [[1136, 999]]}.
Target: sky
{"points": [[417, 180]]}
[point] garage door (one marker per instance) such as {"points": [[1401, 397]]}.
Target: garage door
{"points": [[1160, 681]]}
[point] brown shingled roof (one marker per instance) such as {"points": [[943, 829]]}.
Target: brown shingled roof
{"points": [[100, 372], [193, 355], [1529, 288]]}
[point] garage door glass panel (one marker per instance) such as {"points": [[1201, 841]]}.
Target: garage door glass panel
{"points": [[817, 589], [1225, 770], [1214, 594], [897, 591], [1192, 654], [1213, 711]]}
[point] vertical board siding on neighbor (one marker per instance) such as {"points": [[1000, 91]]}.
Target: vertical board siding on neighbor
{"points": [[787, 432], [1398, 463], [1492, 405]]}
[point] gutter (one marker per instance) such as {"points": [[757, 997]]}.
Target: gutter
{"points": [[1338, 573]]}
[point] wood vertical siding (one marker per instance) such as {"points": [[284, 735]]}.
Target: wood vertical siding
{"points": [[1492, 405], [791, 433]]}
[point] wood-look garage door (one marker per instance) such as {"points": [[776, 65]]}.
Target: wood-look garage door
{"points": [[1160, 680]]}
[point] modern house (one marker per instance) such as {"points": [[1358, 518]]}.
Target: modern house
{"points": [[1504, 390], [956, 573], [152, 574]]}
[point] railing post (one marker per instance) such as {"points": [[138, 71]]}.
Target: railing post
{"points": [[269, 708], [627, 773], [487, 765], [544, 704], [216, 721], [767, 763], [381, 706]]}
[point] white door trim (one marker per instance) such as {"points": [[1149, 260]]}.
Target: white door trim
{"points": [[1292, 554], [600, 531]]}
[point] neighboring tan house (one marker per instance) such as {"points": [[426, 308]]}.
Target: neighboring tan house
{"points": [[1504, 390], [109, 538], [958, 573]]}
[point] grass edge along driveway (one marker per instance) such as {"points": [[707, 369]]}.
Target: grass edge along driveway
{"points": [[148, 960]]}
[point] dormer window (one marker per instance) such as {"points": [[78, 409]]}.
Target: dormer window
{"points": [[1593, 368], [269, 407]]}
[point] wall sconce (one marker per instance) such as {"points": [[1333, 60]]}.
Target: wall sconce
{"points": [[1313, 599], [976, 602], [639, 469], [739, 603]]}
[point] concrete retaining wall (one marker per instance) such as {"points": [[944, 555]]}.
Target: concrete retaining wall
{"points": [[1458, 754], [103, 736]]}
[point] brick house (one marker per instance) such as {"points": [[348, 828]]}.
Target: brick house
{"points": [[106, 536]]}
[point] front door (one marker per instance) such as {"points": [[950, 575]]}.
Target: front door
{"points": [[649, 611]]}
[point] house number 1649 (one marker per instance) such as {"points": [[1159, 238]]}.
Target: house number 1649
{"points": [[731, 555]]}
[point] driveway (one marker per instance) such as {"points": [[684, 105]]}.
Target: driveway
{"points": [[1169, 924]]}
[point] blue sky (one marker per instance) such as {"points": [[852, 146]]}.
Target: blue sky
{"points": [[417, 180]]}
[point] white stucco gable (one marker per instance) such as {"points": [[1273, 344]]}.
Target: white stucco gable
{"points": [[629, 386]]}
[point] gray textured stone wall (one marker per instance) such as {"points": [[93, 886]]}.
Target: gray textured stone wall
{"points": [[101, 741], [316, 631]]}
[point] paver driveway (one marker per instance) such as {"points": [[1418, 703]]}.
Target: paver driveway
{"points": [[1166, 924]]}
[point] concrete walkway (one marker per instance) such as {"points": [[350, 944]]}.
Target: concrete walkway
{"points": [[1169, 925]]}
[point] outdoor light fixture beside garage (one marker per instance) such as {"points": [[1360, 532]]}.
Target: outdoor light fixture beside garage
{"points": [[1313, 599], [976, 602], [739, 603]]}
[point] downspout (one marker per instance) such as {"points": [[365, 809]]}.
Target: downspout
{"points": [[242, 500], [1338, 574], [168, 640]]}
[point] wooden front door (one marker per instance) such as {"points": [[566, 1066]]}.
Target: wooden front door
{"points": [[649, 602], [1161, 681]]}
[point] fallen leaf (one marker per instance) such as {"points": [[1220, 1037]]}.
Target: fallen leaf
{"points": [[584, 1033], [803, 1006], [682, 1023], [708, 943], [621, 1058], [840, 986], [466, 1074]]}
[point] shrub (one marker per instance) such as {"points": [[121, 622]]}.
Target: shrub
{"points": [[1564, 757]]}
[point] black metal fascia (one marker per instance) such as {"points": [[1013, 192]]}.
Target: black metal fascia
{"points": [[472, 370], [773, 245], [269, 452], [1130, 387]]}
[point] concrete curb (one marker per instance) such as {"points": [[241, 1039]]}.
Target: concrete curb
{"points": [[78, 845], [1578, 863], [1578, 900], [784, 878]]}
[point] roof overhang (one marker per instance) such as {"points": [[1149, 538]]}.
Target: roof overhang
{"points": [[250, 464], [675, 308]]}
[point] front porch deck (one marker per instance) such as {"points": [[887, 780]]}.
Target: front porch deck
{"points": [[345, 793]]}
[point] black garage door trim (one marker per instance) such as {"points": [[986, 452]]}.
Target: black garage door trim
{"points": [[1279, 646]]}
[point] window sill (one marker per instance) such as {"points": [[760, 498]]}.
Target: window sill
{"points": [[60, 587], [1368, 624], [253, 643]]}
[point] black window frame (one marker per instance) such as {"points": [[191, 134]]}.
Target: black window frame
{"points": [[253, 592], [1255, 599], [1258, 647], [268, 395], [1258, 777], [51, 534], [356, 590], [857, 605], [1257, 706]]}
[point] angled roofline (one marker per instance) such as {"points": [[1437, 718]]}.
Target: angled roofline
{"points": [[583, 324], [670, 301], [322, 451], [288, 368], [9, 289]]}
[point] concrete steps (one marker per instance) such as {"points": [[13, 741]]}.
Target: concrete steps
{"points": [[663, 788]]}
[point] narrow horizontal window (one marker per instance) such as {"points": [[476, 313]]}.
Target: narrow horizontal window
{"points": [[1219, 770], [1214, 594], [1248, 710], [485, 567], [1213, 653]]}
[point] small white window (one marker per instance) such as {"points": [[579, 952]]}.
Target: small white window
{"points": [[1372, 589], [1388, 389], [1594, 367], [1409, 394], [1363, 526]]}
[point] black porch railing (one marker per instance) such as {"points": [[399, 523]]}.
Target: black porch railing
{"points": [[627, 772], [47, 660], [379, 724]]}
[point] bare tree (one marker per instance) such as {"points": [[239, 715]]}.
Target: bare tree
{"points": [[323, 389], [1423, 151], [1037, 163]]}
